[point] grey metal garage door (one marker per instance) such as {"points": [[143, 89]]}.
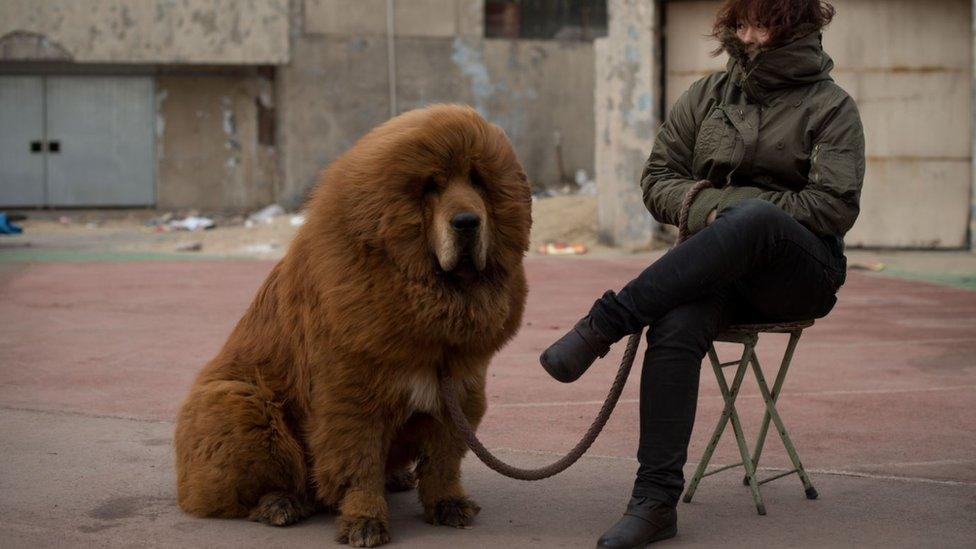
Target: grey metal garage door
{"points": [[76, 141], [21, 139]]}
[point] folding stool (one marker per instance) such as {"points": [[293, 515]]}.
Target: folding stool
{"points": [[748, 336]]}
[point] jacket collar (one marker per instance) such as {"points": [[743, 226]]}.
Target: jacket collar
{"points": [[799, 61]]}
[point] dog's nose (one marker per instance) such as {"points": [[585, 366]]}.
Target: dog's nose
{"points": [[465, 222]]}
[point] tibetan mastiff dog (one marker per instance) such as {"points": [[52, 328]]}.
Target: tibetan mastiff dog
{"points": [[325, 395]]}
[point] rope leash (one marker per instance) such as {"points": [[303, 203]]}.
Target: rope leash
{"points": [[449, 392]]}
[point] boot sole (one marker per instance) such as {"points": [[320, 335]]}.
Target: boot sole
{"points": [[661, 536], [667, 534]]}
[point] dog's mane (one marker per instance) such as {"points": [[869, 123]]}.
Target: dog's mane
{"points": [[365, 238]]}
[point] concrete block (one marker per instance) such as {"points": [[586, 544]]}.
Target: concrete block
{"points": [[534, 89], [688, 45], [433, 18], [345, 17], [427, 73], [625, 133], [471, 18], [900, 34], [156, 31], [335, 91], [207, 151], [913, 114], [430, 18], [913, 203]]}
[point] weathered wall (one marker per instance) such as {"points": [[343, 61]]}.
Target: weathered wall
{"points": [[207, 150], [145, 31], [337, 86], [908, 65], [625, 105], [537, 88]]}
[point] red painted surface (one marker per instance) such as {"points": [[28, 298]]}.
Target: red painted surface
{"points": [[886, 384]]}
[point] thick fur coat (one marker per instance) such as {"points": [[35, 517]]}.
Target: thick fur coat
{"points": [[326, 392]]}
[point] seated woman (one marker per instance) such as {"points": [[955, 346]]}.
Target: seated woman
{"points": [[783, 147]]}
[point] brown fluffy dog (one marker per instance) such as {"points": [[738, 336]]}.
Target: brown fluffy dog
{"points": [[326, 392]]}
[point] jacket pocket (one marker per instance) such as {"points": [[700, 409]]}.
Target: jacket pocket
{"points": [[836, 169], [712, 144]]}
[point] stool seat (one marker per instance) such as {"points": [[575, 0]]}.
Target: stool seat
{"points": [[772, 327]]}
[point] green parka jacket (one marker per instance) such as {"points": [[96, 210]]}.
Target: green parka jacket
{"points": [[775, 128]]}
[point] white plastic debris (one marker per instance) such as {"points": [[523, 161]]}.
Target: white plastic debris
{"points": [[192, 223], [260, 248], [581, 177], [587, 189], [266, 214]]}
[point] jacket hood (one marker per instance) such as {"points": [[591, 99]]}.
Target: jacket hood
{"points": [[799, 61]]}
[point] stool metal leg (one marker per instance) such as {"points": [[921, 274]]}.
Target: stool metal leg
{"points": [[774, 395], [811, 492], [747, 352], [729, 414]]}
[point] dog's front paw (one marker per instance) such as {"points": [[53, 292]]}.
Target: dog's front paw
{"points": [[280, 509], [456, 512], [362, 532]]}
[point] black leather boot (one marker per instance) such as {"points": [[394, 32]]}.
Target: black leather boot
{"points": [[644, 522], [572, 354]]}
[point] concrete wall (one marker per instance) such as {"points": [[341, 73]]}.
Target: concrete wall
{"points": [[337, 86], [145, 31], [537, 88], [908, 65], [207, 150], [626, 101]]}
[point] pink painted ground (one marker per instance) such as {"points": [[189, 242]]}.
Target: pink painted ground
{"points": [[881, 390]]}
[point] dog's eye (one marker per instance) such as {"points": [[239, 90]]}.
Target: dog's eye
{"points": [[430, 187], [476, 179]]}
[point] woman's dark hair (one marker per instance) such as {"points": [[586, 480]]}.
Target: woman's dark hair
{"points": [[783, 19]]}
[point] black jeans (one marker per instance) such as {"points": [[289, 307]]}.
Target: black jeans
{"points": [[754, 263]]}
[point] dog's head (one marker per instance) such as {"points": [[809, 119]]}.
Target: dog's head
{"points": [[438, 191]]}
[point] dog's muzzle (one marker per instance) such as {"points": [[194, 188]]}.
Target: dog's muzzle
{"points": [[466, 239]]}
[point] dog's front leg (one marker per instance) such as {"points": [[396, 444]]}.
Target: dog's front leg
{"points": [[348, 445], [439, 469]]}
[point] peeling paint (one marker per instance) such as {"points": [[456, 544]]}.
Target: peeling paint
{"points": [[229, 125], [471, 63], [161, 96], [31, 46], [624, 102], [158, 31], [206, 19]]}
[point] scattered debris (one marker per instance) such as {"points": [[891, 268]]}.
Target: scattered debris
{"points": [[266, 214], [91, 225], [7, 227], [160, 221], [297, 220], [562, 248], [188, 247], [866, 266], [64, 220], [191, 223], [266, 248]]}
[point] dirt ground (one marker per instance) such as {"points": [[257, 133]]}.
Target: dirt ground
{"points": [[571, 219]]}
